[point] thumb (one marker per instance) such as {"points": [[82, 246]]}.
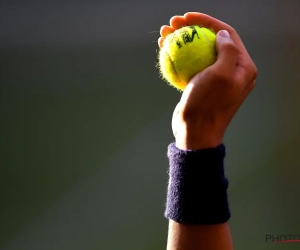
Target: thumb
{"points": [[227, 54]]}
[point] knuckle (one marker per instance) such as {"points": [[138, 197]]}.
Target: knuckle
{"points": [[221, 76], [252, 72], [231, 30], [252, 85], [230, 46]]}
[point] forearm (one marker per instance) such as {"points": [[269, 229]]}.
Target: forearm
{"points": [[199, 237], [197, 204], [185, 236]]}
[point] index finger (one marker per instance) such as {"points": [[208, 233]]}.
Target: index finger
{"points": [[195, 18]]}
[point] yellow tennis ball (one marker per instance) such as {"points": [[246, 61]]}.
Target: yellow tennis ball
{"points": [[185, 53]]}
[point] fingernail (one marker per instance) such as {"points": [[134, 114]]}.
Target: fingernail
{"points": [[224, 34]]}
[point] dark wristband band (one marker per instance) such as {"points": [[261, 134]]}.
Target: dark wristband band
{"points": [[197, 190]]}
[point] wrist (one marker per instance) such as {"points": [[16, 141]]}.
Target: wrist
{"points": [[193, 138]]}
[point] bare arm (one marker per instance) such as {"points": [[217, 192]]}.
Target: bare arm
{"points": [[208, 104], [197, 237]]}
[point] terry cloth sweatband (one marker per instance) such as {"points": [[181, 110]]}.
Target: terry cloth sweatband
{"points": [[197, 190]]}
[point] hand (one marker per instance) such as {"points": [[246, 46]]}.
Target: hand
{"points": [[213, 96]]}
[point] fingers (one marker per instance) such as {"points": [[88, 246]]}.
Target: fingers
{"points": [[166, 30], [246, 70], [160, 42], [228, 52], [194, 18], [177, 22]]}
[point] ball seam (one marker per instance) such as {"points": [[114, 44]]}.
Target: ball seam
{"points": [[173, 66]]}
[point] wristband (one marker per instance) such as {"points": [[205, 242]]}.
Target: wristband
{"points": [[197, 190]]}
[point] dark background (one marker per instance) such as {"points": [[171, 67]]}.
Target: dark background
{"points": [[85, 124]]}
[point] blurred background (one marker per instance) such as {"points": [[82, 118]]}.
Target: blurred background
{"points": [[86, 121]]}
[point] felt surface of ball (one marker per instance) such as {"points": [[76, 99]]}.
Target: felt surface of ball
{"points": [[185, 53]]}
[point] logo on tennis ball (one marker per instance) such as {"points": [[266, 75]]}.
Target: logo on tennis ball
{"points": [[185, 35]]}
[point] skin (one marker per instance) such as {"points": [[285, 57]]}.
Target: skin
{"points": [[206, 108]]}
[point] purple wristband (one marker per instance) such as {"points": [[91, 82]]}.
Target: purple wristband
{"points": [[197, 190]]}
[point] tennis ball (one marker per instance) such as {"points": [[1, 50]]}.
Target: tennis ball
{"points": [[186, 52]]}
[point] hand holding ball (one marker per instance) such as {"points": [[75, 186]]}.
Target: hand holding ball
{"points": [[185, 53]]}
